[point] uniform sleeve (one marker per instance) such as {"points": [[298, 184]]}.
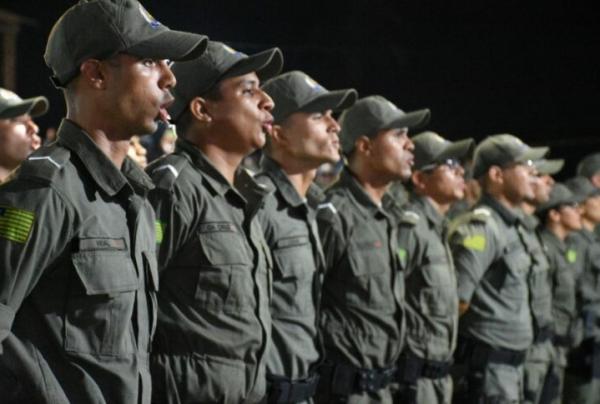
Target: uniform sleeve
{"points": [[472, 246], [173, 224], [332, 237], [36, 227], [408, 249]]}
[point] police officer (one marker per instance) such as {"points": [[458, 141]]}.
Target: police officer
{"points": [[560, 216], [18, 133], [304, 136], [214, 324], [582, 380], [77, 248], [540, 354], [589, 167], [431, 294], [492, 265], [363, 290]]}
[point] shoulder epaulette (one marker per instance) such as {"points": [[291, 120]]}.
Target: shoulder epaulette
{"points": [[480, 214], [165, 171], [326, 211], [44, 164], [409, 217]]}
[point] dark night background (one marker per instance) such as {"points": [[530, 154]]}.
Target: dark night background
{"points": [[481, 67]]}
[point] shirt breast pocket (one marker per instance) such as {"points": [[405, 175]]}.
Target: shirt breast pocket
{"points": [[225, 273], [100, 305], [295, 271], [438, 295], [369, 283], [515, 268]]}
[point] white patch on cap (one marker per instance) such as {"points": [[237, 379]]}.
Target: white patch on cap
{"points": [[311, 83], [9, 95], [438, 138], [391, 104], [148, 17]]}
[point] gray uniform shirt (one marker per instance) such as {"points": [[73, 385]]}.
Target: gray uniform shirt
{"points": [[562, 273], [215, 275], [78, 277], [363, 290], [431, 292], [587, 247], [290, 227], [492, 266], [540, 292]]}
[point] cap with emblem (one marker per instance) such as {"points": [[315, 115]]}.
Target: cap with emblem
{"points": [[295, 91], [560, 195], [220, 62], [371, 114], [11, 105], [503, 149], [582, 187], [549, 166], [99, 29], [589, 166], [431, 149]]}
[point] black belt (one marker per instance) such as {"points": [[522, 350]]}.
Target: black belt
{"points": [[346, 379], [411, 368], [285, 390], [474, 351], [544, 334]]}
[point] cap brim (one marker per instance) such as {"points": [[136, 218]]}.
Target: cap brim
{"points": [[533, 153], [549, 167], [460, 150], [336, 100], [265, 64], [173, 45], [35, 106], [411, 120]]}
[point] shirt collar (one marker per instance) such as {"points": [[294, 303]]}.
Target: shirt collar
{"points": [[360, 197], [510, 216], [431, 213], [271, 168], [108, 177]]}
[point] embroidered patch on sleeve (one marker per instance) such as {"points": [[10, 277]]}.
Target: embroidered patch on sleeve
{"points": [[475, 242], [15, 224], [159, 229], [402, 255]]}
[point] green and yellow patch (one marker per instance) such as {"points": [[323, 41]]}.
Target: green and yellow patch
{"points": [[15, 224], [159, 229], [571, 256], [476, 242]]}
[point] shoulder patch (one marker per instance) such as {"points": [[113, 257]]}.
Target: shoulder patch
{"points": [[571, 256], [15, 223], [475, 242], [409, 217]]}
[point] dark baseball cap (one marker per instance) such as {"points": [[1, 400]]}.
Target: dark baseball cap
{"points": [[549, 166], [11, 105], [431, 149], [582, 187], [219, 62], [99, 29], [559, 195], [500, 150], [371, 114], [295, 91], [589, 165]]}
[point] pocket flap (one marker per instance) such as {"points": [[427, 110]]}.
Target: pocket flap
{"points": [[105, 272]]}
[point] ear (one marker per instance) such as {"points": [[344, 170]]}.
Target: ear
{"points": [[363, 145], [199, 110], [554, 215], [495, 174], [596, 180], [93, 74], [418, 180], [277, 135]]}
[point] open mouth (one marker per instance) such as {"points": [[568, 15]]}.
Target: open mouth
{"points": [[267, 126], [163, 114]]}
